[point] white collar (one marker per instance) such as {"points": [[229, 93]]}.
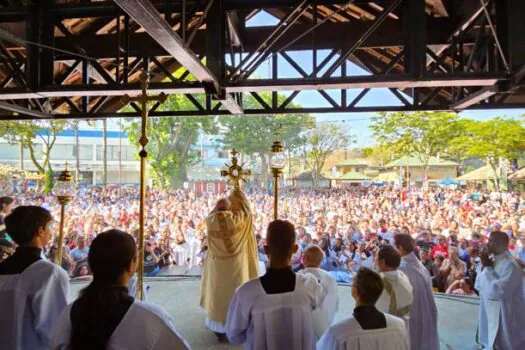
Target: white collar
{"points": [[311, 269], [391, 275]]}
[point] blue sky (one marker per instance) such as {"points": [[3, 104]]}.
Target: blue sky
{"points": [[358, 122]]}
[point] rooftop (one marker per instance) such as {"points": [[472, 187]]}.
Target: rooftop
{"points": [[353, 176], [480, 174], [414, 161], [352, 162]]}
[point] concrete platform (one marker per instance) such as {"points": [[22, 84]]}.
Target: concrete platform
{"points": [[180, 297]]}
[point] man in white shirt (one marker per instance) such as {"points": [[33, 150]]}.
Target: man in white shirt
{"points": [[500, 286], [312, 259], [33, 291], [276, 311], [368, 328]]}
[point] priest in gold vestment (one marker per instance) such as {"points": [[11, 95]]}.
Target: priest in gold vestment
{"points": [[231, 260]]}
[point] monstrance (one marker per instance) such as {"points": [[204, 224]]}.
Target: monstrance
{"points": [[235, 172]]}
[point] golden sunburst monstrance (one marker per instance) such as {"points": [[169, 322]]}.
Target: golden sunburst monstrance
{"points": [[235, 173]]}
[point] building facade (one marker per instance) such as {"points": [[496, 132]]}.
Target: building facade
{"points": [[122, 157]]}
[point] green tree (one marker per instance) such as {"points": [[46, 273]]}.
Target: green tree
{"points": [[28, 133], [321, 142], [423, 134], [171, 140], [492, 140], [253, 136], [379, 154]]}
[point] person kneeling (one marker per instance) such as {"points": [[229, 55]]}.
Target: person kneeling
{"points": [[367, 329], [105, 316], [281, 309]]}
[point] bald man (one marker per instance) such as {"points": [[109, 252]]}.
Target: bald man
{"points": [[312, 259], [232, 258], [500, 286], [223, 204]]}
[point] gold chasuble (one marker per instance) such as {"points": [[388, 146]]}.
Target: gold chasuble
{"points": [[232, 257]]}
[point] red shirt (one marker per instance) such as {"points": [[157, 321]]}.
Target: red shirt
{"points": [[437, 249]]}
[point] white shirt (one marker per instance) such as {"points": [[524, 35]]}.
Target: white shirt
{"points": [[145, 326], [349, 335], [275, 321], [30, 303], [330, 301]]}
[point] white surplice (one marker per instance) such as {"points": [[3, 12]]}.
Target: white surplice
{"points": [[423, 312], [30, 304], [397, 296], [144, 326], [275, 321], [502, 305], [182, 254], [195, 247], [349, 335], [330, 301]]}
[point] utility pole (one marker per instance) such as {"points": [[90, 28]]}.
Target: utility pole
{"points": [[105, 156]]}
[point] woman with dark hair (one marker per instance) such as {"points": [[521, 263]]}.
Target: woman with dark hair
{"points": [[82, 272], [329, 259], [105, 316], [463, 287]]}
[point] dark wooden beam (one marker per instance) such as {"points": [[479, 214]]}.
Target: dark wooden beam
{"points": [[109, 8], [334, 35], [510, 29], [399, 81]]}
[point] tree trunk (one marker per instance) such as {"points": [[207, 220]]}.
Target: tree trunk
{"points": [[315, 178], [21, 155], [105, 157], [160, 178], [496, 177], [182, 164], [426, 175], [305, 159], [40, 168], [49, 179]]}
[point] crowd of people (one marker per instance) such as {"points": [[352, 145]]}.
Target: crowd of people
{"points": [[349, 225], [393, 246]]}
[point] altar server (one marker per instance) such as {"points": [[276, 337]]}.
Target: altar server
{"points": [[397, 297], [105, 316], [278, 310], [33, 291], [368, 328], [312, 259], [502, 308], [423, 312]]}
